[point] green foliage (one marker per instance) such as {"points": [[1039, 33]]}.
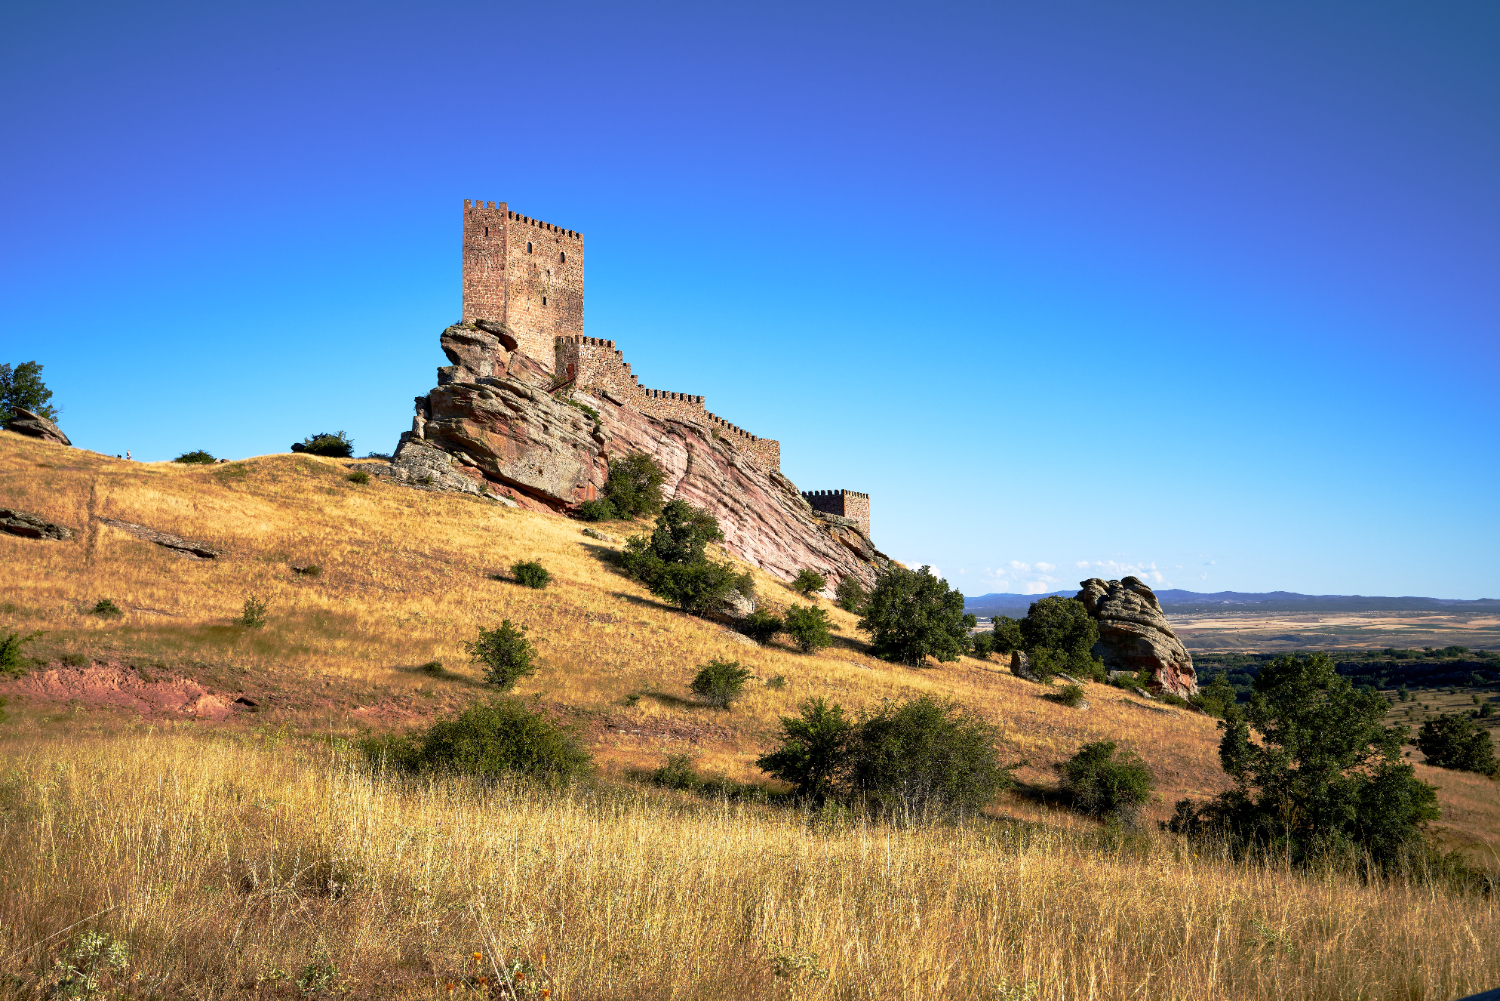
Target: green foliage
{"points": [[106, 608], [809, 582], [673, 564], [359, 477], [1216, 697], [1325, 778], [87, 969], [912, 615], [1058, 635], [719, 682], [1456, 741], [1100, 781], [198, 458], [505, 654], [762, 626], [678, 772], [981, 645], [925, 757], [21, 386], [701, 587], [633, 489], [851, 595], [683, 532], [333, 446], [808, 627], [1486, 710], [502, 735], [1006, 635], [529, 573], [12, 660], [813, 756], [597, 510], [253, 612], [1068, 695]]}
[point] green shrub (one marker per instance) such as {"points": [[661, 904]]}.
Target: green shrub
{"points": [[1068, 695], [924, 758], [504, 653], [912, 615], [1173, 699], [672, 563], [814, 752], [981, 645], [12, 660], [777, 683], [1456, 741], [597, 510], [333, 446], [1103, 782], [529, 573], [808, 627], [359, 477], [1216, 697], [502, 735], [307, 569], [633, 489], [851, 595], [719, 682], [106, 608], [808, 582], [1006, 634], [1058, 635], [701, 587], [253, 612], [761, 626], [678, 772], [198, 457], [1486, 710]]}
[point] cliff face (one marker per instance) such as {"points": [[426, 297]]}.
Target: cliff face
{"points": [[1133, 633], [492, 425]]}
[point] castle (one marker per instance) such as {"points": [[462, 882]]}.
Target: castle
{"points": [[527, 276]]}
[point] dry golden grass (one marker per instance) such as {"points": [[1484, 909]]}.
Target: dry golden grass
{"points": [[229, 866]]}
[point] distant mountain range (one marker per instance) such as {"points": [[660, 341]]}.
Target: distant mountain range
{"points": [[1177, 600]]}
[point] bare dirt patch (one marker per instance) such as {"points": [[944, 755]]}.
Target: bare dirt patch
{"points": [[116, 687]]}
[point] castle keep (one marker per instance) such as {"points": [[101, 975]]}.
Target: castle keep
{"points": [[527, 275]]}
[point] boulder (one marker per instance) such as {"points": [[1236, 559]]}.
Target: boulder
{"points": [[29, 526], [1134, 634], [36, 426], [172, 543], [1020, 666]]}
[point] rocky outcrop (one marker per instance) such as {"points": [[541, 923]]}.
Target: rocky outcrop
{"points": [[36, 426], [1134, 634], [176, 544], [1020, 666], [498, 423], [30, 526]]}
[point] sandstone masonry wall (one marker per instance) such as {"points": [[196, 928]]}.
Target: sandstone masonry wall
{"points": [[845, 503], [524, 273]]}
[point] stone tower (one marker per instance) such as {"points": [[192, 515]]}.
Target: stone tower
{"points": [[524, 273]]}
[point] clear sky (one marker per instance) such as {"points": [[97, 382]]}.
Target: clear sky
{"points": [[1209, 291]]}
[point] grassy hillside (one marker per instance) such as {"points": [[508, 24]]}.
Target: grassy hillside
{"points": [[243, 851]]}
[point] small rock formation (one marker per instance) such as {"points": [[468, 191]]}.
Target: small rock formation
{"points": [[36, 426], [499, 423], [1020, 666], [29, 526], [182, 547], [1133, 633], [596, 534]]}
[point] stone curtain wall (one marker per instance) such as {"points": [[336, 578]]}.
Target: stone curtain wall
{"points": [[595, 366], [524, 273], [845, 503]]}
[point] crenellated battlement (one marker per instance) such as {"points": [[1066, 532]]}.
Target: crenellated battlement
{"points": [[844, 503]]}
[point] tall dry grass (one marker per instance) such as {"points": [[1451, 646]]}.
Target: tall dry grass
{"points": [[229, 866]]}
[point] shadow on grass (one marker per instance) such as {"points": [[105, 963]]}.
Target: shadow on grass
{"points": [[434, 669], [675, 701]]}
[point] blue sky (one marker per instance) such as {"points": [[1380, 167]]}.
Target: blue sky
{"points": [[1203, 291]]}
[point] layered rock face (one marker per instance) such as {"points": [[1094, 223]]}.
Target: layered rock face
{"points": [[493, 425], [36, 426], [1133, 633]]}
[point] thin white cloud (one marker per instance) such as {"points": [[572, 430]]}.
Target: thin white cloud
{"points": [[1035, 587], [1082, 564], [1045, 567], [1020, 567]]}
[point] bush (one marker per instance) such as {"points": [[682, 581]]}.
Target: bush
{"points": [[1216, 697], [334, 446], [198, 457], [359, 477], [1006, 634], [981, 645], [504, 734], [12, 660], [851, 595], [808, 627], [530, 573], [761, 626], [719, 682], [22, 387], [597, 510], [1486, 710], [808, 582], [1068, 695], [813, 756], [253, 612], [1456, 741], [106, 608], [1058, 635], [672, 561], [925, 757], [1102, 782], [633, 489], [912, 615], [505, 654], [703, 586], [1324, 778]]}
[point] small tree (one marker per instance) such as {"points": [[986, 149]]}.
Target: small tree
{"points": [[502, 735], [813, 755], [530, 573], [981, 645], [808, 627], [197, 457], [851, 595], [1006, 634], [762, 626], [925, 757], [912, 615], [505, 654], [106, 608], [808, 582], [719, 682], [12, 660], [22, 387], [634, 486], [1456, 741], [702, 586], [672, 561], [683, 532], [1102, 782], [1216, 697], [334, 446], [1058, 635], [597, 510], [253, 612]]}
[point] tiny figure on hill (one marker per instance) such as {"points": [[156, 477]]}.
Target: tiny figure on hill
{"points": [[809, 582], [505, 654], [333, 446]]}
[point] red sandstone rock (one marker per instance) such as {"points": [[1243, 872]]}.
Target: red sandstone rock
{"points": [[36, 426], [1133, 633]]}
